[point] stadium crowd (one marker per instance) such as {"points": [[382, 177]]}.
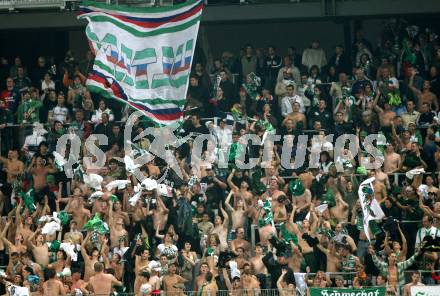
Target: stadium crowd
{"points": [[228, 229]]}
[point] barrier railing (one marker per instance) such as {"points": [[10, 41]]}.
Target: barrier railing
{"points": [[254, 229], [32, 4]]}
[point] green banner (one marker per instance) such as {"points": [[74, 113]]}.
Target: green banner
{"points": [[372, 291]]}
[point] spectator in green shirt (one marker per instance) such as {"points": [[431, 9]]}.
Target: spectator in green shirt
{"points": [[28, 110]]}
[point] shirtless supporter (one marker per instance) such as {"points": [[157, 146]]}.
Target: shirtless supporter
{"points": [[100, 283], [162, 225], [13, 167]]}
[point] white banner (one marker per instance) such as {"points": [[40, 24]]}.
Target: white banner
{"points": [[425, 290]]}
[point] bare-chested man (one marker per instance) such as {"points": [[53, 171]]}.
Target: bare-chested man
{"points": [[75, 206], [328, 248], [274, 181], [118, 213], [221, 229], [340, 210], [249, 281], [160, 214], [279, 209], [242, 191], [392, 160], [386, 114], [238, 212], [116, 225], [74, 236], [295, 116], [39, 171], [18, 246], [23, 227], [380, 190], [53, 287], [13, 168], [424, 96], [415, 281], [40, 250], [257, 261], [89, 261], [209, 287], [172, 282], [77, 282], [201, 278], [142, 262], [241, 258], [240, 242], [100, 283]]}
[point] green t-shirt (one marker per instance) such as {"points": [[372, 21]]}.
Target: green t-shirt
{"points": [[30, 107]]}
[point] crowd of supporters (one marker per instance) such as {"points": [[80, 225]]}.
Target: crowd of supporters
{"points": [[218, 228]]}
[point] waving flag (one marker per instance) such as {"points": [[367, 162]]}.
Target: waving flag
{"points": [[370, 207], [143, 55]]}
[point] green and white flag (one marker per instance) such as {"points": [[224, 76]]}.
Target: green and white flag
{"points": [[370, 291], [370, 207], [143, 56]]}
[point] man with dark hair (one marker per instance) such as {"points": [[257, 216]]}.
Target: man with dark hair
{"points": [[101, 283], [273, 65], [197, 94], [427, 230], [196, 126], [210, 285], [53, 287], [172, 282]]}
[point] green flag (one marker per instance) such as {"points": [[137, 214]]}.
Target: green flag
{"points": [[296, 187]]}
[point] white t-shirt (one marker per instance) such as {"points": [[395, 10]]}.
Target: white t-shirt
{"points": [[287, 104], [169, 251], [145, 289], [60, 113]]}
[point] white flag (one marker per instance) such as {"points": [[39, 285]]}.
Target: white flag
{"points": [[370, 207]]}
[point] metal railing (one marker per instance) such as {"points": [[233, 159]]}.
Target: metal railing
{"points": [[254, 229], [33, 4], [12, 5]]}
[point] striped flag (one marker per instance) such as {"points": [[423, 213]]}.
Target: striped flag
{"points": [[143, 55]]}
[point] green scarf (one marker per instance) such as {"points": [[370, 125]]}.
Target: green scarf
{"points": [[287, 235], [296, 187], [268, 217], [329, 198]]}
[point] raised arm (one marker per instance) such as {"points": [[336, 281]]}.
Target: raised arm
{"points": [[115, 282], [404, 250], [279, 282], [225, 216], [31, 237], [230, 183], [3, 234], [161, 204], [18, 218], [228, 199], [83, 247]]}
